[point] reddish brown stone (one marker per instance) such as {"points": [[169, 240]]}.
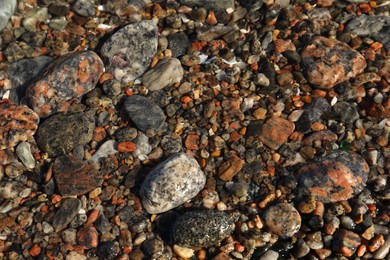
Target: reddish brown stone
{"points": [[18, 123], [230, 168], [321, 135], [283, 220], [74, 177], [192, 142], [88, 237], [328, 62], [336, 177], [65, 79], [275, 132], [345, 242]]}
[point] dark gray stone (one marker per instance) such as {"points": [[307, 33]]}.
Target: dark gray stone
{"points": [[178, 44], [84, 8], [144, 113], [313, 113], [66, 213], [202, 228], [220, 5]]}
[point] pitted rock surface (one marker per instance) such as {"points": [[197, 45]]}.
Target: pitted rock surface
{"points": [[18, 123], [283, 219], [171, 183], [202, 228], [167, 72], [335, 177], [144, 113], [67, 78], [130, 50], [74, 177], [61, 133], [328, 62]]}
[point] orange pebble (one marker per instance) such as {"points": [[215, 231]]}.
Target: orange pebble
{"points": [[55, 198], [35, 250], [93, 216], [126, 147], [239, 248], [376, 46], [186, 99]]}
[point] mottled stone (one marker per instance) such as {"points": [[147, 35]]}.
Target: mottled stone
{"points": [[202, 228], [84, 8], [178, 43], [130, 50], [166, 72], [334, 177], [74, 177], [230, 168], [67, 78], [282, 219], [210, 33], [22, 72], [144, 113], [23, 150], [276, 131], [220, 5], [328, 62], [7, 8], [61, 133], [65, 214], [88, 237], [345, 242], [18, 123], [312, 113], [375, 26], [171, 183]]}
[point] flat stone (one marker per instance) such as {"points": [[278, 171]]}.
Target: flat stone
{"points": [[334, 177], [276, 131], [61, 133], [66, 213], [144, 113], [166, 72], [22, 72], [74, 177], [7, 8], [376, 26], [328, 62], [130, 50], [230, 168], [202, 228], [171, 183], [18, 123], [282, 219], [67, 78]]}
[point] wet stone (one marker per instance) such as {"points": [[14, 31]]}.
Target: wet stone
{"points": [[276, 131], [312, 113], [130, 50], [334, 177], [18, 123], [347, 112], [328, 62], [66, 78], [345, 242], [178, 44], [165, 73], [171, 183], [74, 177], [22, 72], [375, 26], [66, 213], [202, 228], [282, 219], [7, 8], [88, 237], [109, 250], [61, 133], [144, 113], [221, 5]]}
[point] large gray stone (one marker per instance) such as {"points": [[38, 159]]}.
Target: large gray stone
{"points": [[130, 50], [7, 8], [167, 72], [171, 183]]}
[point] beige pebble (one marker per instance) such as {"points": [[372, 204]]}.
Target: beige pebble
{"points": [[183, 252]]}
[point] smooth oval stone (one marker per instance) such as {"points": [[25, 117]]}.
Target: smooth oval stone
{"points": [[171, 183], [167, 72], [283, 219], [144, 113], [202, 228], [332, 178], [61, 133], [66, 78]]}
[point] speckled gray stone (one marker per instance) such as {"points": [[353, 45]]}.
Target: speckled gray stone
{"points": [[282, 219], [7, 8], [171, 183], [167, 72], [202, 228]]}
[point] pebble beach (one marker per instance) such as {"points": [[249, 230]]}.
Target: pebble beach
{"points": [[194, 129]]}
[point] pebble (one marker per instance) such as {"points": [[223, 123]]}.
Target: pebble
{"points": [[262, 80], [345, 242], [18, 123], [275, 132], [335, 177], [202, 228], [23, 150], [143, 146], [178, 43], [314, 240], [328, 62], [383, 251], [74, 177], [22, 72], [105, 150], [66, 78], [171, 183], [221, 5], [165, 73], [66, 213], [84, 8], [183, 252], [88, 237], [144, 113], [6, 10], [130, 50], [230, 168], [61, 133], [282, 219]]}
